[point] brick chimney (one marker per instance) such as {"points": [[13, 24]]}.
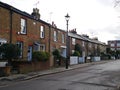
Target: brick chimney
{"points": [[73, 31], [95, 38], [36, 13]]}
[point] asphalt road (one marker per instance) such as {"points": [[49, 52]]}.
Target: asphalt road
{"points": [[95, 77]]}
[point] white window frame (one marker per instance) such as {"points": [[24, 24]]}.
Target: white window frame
{"points": [[42, 31], [112, 45], [73, 41], [83, 43], [118, 44], [23, 26], [42, 47], [73, 51], [63, 38], [55, 35], [20, 45]]}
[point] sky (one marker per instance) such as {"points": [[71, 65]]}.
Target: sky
{"points": [[96, 18]]}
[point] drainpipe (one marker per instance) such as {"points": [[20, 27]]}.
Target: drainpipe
{"points": [[49, 47], [11, 25], [49, 38]]}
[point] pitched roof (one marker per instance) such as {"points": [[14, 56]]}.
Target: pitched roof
{"points": [[84, 38]]}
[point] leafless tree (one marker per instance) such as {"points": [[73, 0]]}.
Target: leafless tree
{"points": [[117, 3]]}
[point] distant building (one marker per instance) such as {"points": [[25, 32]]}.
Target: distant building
{"points": [[114, 45]]}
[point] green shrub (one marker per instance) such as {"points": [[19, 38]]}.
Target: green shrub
{"points": [[47, 55], [78, 48], [9, 51], [76, 53], [40, 56], [56, 54]]}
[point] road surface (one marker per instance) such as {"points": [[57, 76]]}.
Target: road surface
{"points": [[95, 77]]}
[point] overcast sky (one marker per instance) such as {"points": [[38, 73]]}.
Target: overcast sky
{"points": [[97, 18]]}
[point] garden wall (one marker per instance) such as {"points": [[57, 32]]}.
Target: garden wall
{"points": [[25, 67]]}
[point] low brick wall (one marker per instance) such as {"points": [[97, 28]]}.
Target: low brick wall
{"points": [[5, 71], [25, 67], [87, 60]]}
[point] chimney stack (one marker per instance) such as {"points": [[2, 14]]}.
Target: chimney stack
{"points": [[36, 13], [73, 31]]}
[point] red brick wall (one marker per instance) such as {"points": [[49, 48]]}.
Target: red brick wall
{"points": [[33, 66], [55, 44], [4, 23], [33, 32]]}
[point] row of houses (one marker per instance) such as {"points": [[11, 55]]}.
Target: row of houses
{"points": [[31, 33], [89, 46]]}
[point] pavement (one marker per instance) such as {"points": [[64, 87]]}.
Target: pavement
{"points": [[22, 77]]}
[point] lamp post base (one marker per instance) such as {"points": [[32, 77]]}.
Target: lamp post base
{"points": [[66, 64]]}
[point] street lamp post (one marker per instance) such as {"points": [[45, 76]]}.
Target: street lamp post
{"points": [[67, 17]]}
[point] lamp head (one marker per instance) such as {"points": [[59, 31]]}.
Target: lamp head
{"points": [[67, 17]]}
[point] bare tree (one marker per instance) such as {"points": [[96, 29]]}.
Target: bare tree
{"points": [[117, 3]]}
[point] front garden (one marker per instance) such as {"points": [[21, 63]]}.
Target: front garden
{"points": [[10, 60]]}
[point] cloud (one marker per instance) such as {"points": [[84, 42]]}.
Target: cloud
{"points": [[107, 3], [94, 17]]}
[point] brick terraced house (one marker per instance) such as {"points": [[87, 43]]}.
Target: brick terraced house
{"points": [[89, 46], [31, 33]]}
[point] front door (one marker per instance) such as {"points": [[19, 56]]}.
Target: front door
{"points": [[29, 53]]}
